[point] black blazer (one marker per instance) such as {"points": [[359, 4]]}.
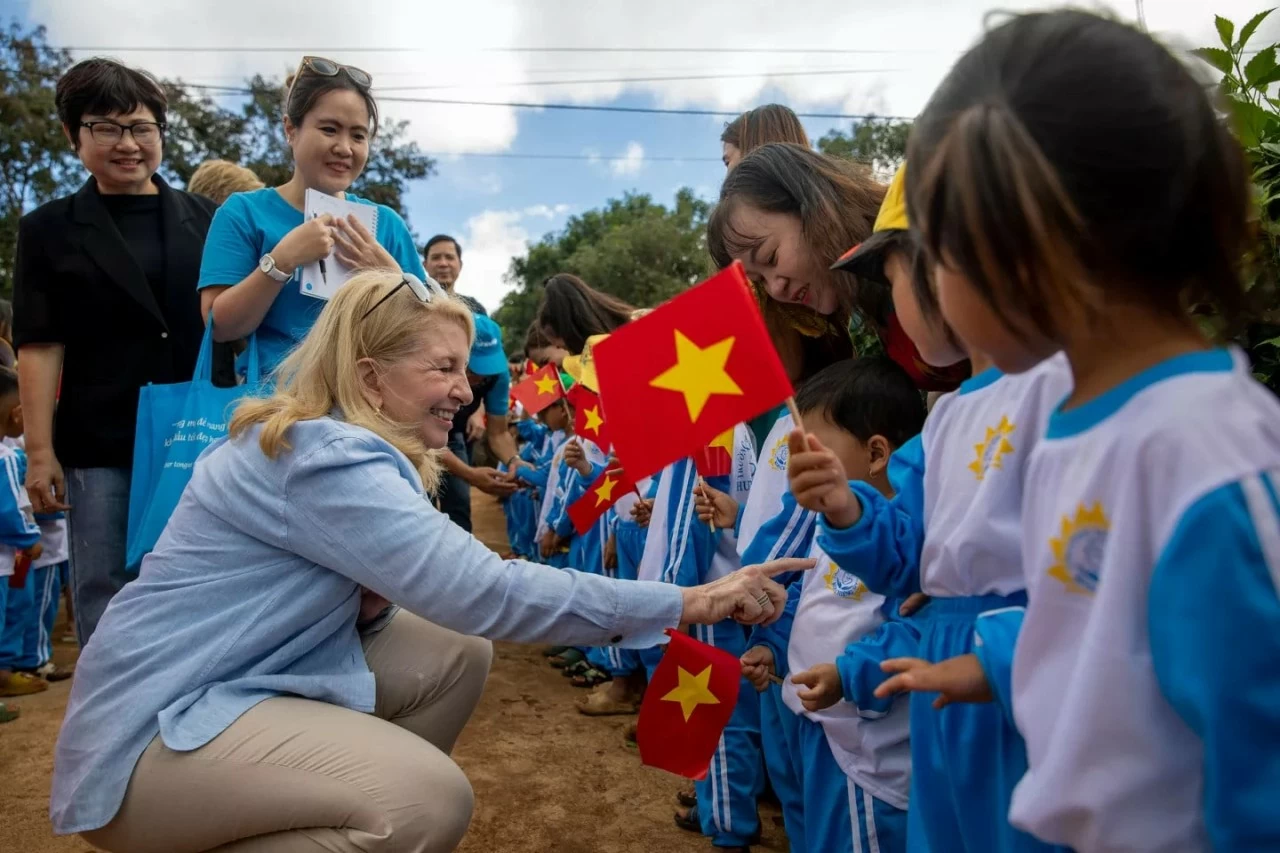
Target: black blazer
{"points": [[77, 284]]}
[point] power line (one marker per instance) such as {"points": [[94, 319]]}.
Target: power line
{"points": [[752, 75], [233, 90], [296, 50], [594, 158]]}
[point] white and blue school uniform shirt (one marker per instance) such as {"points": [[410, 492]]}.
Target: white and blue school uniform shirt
{"points": [[18, 528], [953, 529], [1146, 678], [868, 740], [249, 225], [771, 525]]}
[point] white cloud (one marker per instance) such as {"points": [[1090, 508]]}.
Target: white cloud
{"points": [[489, 183], [491, 239], [458, 51], [631, 162]]}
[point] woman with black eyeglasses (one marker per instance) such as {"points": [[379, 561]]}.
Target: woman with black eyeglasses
{"points": [[104, 295], [258, 239]]}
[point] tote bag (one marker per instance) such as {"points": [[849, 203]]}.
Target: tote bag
{"points": [[175, 424]]}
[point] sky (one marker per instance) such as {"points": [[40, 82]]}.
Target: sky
{"points": [[845, 57]]}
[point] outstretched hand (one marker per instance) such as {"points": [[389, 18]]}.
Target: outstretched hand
{"points": [[821, 685], [749, 595], [958, 679], [714, 506]]}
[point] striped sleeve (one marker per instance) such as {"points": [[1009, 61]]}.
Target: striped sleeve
{"points": [[18, 528], [1214, 623]]}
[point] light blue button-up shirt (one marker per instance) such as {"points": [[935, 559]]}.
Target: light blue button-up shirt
{"points": [[254, 588]]}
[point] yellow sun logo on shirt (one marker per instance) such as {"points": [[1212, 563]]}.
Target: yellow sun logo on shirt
{"points": [[992, 448], [843, 583], [778, 455], [1079, 549]]}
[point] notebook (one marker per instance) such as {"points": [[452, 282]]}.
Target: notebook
{"points": [[323, 278]]}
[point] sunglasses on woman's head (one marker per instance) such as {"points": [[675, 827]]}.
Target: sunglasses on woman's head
{"points": [[328, 68], [424, 291]]}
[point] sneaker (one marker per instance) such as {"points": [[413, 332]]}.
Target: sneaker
{"points": [[23, 684], [52, 672]]}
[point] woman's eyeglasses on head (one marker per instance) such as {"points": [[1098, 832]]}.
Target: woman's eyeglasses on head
{"points": [[328, 68], [424, 291]]}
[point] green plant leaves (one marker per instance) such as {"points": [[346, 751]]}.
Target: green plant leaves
{"points": [[1262, 65], [1247, 31], [1253, 123], [1226, 30], [1215, 56]]}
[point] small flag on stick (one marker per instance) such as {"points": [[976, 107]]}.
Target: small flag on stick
{"points": [[540, 390], [686, 706]]}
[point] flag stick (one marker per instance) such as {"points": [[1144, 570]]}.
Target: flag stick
{"points": [[775, 679], [795, 413]]}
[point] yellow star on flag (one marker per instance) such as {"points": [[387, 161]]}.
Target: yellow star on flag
{"points": [[545, 385], [692, 690], [605, 492], [698, 373], [594, 421]]}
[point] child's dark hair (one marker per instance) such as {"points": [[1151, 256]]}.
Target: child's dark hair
{"points": [[535, 338], [8, 381], [303, 91], [101, 86], [1066, 148], [866, 397]]}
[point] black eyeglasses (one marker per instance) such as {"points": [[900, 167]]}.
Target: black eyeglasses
{"points": [[328, 68], [145, 133], [424, 291]]}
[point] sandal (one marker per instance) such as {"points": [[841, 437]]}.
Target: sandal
{"points": [[591, 677], [690, 822], [577, 668], [688, 799], [8, 714], [567, 658], [600, 705], [23, 684], [554, 651]]}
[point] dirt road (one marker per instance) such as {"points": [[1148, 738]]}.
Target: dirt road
{"points": [[545, 777]]}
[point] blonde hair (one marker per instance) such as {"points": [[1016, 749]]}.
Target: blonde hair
{"points": [[321, 374], [218, 179]]}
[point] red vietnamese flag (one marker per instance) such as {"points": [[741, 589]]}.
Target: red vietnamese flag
{"points": [[716, 459], [529, 367], [588, 417], [688, 370], [686, 706], [540, 390], [601, 494]]}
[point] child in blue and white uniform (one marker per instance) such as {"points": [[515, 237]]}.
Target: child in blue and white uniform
{"points": [[849, 750], [1146, 674], [952, 531], [19, 533], [683, 550]]}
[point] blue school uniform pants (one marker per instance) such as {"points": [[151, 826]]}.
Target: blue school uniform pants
{"points": [[841, 816], [727, 796], [26, 638], [780, 743], [966, 758]]}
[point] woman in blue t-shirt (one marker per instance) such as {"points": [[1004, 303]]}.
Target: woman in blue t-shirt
{"points": [[258, 239]]}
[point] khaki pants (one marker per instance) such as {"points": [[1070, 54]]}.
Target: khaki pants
{"points": [[299, 775]]}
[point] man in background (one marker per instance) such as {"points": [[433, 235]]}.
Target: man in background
{"points": [[443, 260]]}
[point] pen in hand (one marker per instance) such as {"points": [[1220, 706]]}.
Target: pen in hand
{"points": [[324, 274]]}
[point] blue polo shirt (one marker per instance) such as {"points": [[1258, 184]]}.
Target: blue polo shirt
{"points": [[248, 226]]}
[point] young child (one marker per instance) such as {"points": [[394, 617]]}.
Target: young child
{"points": [[851, 758], [584, 461], [1146, 677], [682, 550], [951, 531], [19, 541]]}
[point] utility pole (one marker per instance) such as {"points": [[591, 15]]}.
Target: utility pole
{"points": [[1142, 17]]}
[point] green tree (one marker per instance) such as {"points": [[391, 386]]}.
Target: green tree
{"points": [[36, 163], [633, 248], [879, 142], [1248, 81]]}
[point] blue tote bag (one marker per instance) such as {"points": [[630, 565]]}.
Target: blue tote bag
{"points": [[175, 424]]}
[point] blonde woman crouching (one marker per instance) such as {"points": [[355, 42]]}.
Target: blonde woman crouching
{"points": [[234, 699]]}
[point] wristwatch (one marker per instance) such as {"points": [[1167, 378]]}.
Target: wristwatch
{"points": [[268, 266]]}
